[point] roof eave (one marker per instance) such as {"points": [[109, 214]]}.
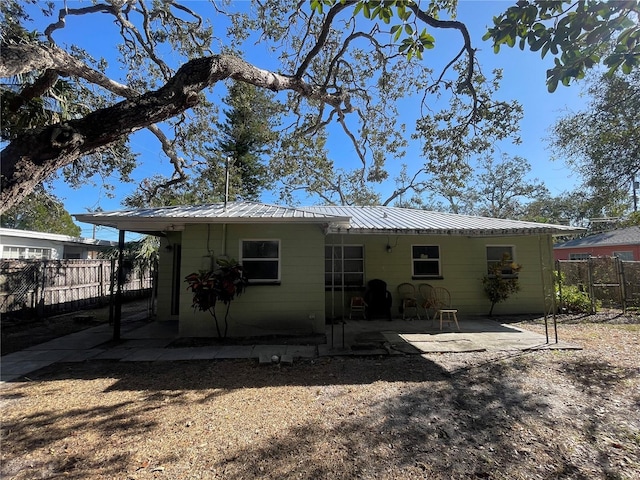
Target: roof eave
{"points": [[164, 224]]}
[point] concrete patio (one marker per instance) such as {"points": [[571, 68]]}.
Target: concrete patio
{"points": [[144, 341]]}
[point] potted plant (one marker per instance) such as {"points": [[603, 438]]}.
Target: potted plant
{"points": [[222, 284]]}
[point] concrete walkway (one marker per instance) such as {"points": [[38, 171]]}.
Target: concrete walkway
{"points": [[149, 341]]}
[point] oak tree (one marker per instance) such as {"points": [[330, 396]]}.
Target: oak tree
{"points": [[338, 62]]}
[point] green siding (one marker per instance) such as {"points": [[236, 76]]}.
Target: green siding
{"points": [[298, 304], [165, 275], [463, 264], [294, 306]]}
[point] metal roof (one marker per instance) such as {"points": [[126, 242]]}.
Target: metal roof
{"points": [[53, 237], [337, 219], [408, 220], [624, 236], [176, 217]]}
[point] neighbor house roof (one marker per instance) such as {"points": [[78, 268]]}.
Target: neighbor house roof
{"points": [[337, 219], [7, 233], [623, 236]]}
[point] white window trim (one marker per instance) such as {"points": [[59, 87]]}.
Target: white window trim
{"points": [[439, 261], [579, 256], [623, 253], [360, 245], [279, 259], [27, 252]]}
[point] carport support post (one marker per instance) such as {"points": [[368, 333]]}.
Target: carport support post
{"points": [[118, 313]]}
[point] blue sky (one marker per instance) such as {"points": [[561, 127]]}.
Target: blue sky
{"points": [[524, 81]]}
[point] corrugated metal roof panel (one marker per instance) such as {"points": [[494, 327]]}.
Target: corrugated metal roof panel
{"points": [[380, 219], [248, 210], [176, 217], [355, 219]]}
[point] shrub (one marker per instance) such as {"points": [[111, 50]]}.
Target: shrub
{"points": [[573, 298], [501, 281], [223, 284]]}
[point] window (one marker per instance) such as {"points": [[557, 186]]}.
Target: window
{"points": [[579, 256], [497, 254], [425, 261], [353, 269], [261, 260], [624, 256], [23, 253]]}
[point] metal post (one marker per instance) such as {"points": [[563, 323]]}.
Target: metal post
{"points": [[118, 313]]}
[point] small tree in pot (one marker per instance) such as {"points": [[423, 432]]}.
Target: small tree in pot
{"points": [[501, 281], [222, 284]]}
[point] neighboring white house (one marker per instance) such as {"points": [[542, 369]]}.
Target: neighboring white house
{"points": [[304, 264], [24, 244]]}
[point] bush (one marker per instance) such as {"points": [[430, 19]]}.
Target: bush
{"points": [[501, 282], [573, 298]]}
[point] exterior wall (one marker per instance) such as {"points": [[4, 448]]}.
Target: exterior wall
{"points": [[57, 248], [463, 264], [605, 251], [168, 248], [60, 246], [293, 306]]}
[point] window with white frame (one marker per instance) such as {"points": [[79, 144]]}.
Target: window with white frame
{"points": [[625, 256], [425, 261], [579, 256], [497, 254], [344, 263], [26, 253], [261, 260]]}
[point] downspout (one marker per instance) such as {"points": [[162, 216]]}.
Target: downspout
{"points": [[223, 247]]}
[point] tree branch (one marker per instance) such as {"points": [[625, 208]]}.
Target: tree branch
{"points": [[37, 154]]}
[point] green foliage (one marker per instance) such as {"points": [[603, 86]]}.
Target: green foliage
{"points": [[501, 282], [222, 284], [600, 142], [632, 219], [41, 212], [572, 298], [141, 254], [350, 63], [579, 34]]}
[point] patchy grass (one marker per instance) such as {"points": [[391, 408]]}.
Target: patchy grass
{"points": [[494, 415]]}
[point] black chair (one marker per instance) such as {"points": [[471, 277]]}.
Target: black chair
{"points": [[378, 300]]}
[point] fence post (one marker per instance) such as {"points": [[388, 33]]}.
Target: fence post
{"points": [[621, 280], [40, 273], [592, 292], [118, 313]]}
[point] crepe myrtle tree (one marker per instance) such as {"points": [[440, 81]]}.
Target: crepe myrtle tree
{"points": [[339, 62]]}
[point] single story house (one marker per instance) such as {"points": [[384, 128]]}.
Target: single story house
{"points": [[623, 243], [25, 245], [306, 263]]}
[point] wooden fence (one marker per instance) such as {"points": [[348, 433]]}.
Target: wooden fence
{"points": [[614, 282], [48, 287]]}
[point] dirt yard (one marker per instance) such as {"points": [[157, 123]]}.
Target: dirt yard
{"points": [[508, 415]]}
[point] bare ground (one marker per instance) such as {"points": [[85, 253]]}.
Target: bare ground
{"points": [[504, 415]]}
